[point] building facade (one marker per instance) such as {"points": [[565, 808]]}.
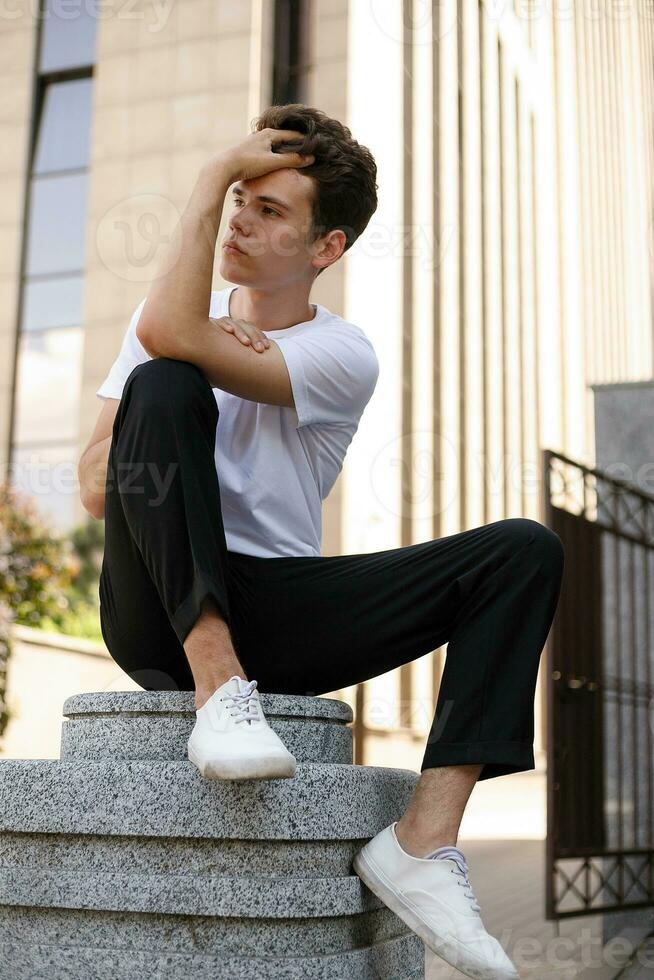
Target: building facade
{"points": [[509, 264]]}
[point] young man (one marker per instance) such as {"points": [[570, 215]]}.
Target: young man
{"points": [[228, 416]]}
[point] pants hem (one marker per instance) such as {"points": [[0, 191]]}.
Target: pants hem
{"points": [[188, 612], [499, 758]]}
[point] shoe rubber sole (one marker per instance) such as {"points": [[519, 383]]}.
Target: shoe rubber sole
{"points": [[270, 768], [448, 948]]}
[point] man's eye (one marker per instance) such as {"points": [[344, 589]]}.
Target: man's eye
{"points": [[238, 201]]}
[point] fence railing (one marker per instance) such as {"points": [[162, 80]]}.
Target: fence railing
{"points": [[600, 662]]}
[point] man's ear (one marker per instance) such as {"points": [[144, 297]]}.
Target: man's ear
{"points": [[330, 246]]}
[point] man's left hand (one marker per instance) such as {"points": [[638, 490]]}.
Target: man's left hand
{"points": [[246, 332]]}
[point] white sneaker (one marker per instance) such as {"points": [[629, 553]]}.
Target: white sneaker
{"points": [[435, 899], [232, 739]]}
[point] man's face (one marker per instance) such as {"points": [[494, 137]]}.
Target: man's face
{"points": [[271, 233]]}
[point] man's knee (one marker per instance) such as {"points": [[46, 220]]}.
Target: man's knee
{"points": [[167, 381], [165, 370], [522, 530]]}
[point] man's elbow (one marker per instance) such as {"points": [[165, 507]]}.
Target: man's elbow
{"points": [[93, 504], [152, 336], [161, 338]]}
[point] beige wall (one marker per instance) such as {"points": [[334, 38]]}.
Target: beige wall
{"points": [[44, 670], [604, 99], [16, 59], [516, 155]]}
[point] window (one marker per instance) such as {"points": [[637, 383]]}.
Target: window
{"points": [[63, 130], [290, 59], [67, 35], [45, 412]]}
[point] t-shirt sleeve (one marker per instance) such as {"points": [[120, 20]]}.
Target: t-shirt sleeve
{"points": [[333, 374], [131, 353]]}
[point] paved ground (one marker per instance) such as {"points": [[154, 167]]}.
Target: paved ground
{"points": [[503, 838], [507, 877], [643, 967]]}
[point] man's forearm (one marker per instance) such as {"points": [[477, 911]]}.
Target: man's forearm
{"points": [[92, 475], [175, 321], [180, 298]]}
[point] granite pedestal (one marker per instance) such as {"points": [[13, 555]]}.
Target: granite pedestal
{"points": [[120, 861]]}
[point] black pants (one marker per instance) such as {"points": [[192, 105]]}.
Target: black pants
{"points": [[313, 625]]}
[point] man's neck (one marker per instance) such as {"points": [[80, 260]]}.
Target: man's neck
{"points": [[270, 310]]}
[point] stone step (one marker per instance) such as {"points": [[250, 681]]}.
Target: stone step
{"points": [[207, 934], [401, 958], [172, 799], [248, 895], [121, 861], [167, 855], [156, 726]]}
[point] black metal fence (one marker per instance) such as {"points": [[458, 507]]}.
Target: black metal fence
{"points": [[600, 723]]}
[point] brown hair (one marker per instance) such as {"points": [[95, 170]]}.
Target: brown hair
{"points": [[344, 172]]}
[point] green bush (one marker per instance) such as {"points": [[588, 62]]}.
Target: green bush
{"points": [[81, 617], [36, 566], [47, 581]]}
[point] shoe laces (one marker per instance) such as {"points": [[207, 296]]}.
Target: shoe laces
{"points": [[461, 870], [245, 706]]}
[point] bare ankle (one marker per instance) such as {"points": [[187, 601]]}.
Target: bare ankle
{"points": [[206, 689], [211, 654], [202, 695], [419, 843]]}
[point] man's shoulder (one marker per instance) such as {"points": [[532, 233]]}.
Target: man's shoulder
{"points": [[348, 330], [326, 320], [338, 323]]}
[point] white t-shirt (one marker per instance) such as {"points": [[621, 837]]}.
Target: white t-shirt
{"points": [[276, 463]]}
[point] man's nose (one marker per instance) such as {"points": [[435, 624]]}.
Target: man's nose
{"points": [[239, 220]]}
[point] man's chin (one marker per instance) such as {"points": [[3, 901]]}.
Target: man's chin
{"points": [[230, 271]]}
